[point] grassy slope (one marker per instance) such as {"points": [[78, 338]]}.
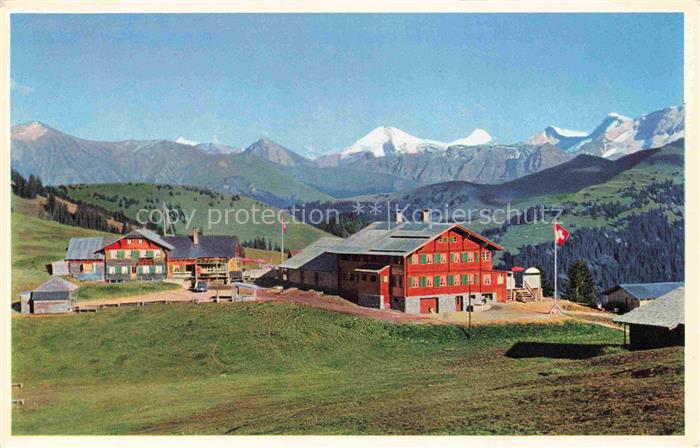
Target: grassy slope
{"points": [[653, 170], [272, 368], [298, 235]]}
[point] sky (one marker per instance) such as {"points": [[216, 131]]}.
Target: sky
{"points": [[316, 83]]}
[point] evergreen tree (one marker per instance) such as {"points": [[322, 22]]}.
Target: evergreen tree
{"points": [[547, 289], [580, 287]]}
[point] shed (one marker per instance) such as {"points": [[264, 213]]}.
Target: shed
{"points": [[628, 296], [53, 296], [661, 323], [313, 267]]}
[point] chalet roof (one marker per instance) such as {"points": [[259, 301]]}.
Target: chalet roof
{"points": [[383, 238], [645, 291], [311, 253], [209, 246], [55, 288], [666, 311], [84, 248], [139, 233]]}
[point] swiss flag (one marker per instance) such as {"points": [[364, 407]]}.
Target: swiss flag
{"points": [[560, 234], [284, 226]]}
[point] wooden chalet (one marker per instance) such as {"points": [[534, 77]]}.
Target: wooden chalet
{"points": [[417, 268], [214, 258], [139, 255]]}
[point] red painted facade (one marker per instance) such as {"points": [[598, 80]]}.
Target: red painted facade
{"points": [[453, 263], [453, 266]]}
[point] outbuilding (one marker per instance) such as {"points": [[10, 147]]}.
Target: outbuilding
{"points": [[625, 297], [53, 296], [661, 323], [314, 267]]}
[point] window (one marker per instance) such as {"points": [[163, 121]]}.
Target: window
{"points": [[428, 259], [465, 279], [443, 280], [414, 257], [429, 282], [112, 254], [470, 257], [443, 258], [450, 280], [413, 281], [149, 254], [86, 267], [125, 269], [128, 242], [485, 255], [159, 269], [422, 282], [487, 279], [455, 257], [456, 280], [500, 279], [135, 254], [112, 270]]}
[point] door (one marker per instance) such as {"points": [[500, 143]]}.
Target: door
{"points": [[429, 305], [459, 303]]}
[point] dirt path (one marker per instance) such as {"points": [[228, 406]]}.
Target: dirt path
{"points": [[497, 313]]}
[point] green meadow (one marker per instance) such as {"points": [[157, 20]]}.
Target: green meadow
{"points": [[279, 368]]}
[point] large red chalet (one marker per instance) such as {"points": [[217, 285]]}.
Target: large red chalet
{"points": [[413, 267]]}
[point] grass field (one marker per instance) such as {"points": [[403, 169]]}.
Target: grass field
{"points": [[277, 368], [93, 291], [218, 215]]}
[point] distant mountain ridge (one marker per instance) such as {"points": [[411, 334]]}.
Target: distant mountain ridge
{"points": [[618, 135], [384, 161]]}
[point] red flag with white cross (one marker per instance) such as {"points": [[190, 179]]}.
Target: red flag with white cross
{"points": [[560, 234]]}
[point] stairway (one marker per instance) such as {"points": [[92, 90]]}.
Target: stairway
{"points": [[523, 295]]}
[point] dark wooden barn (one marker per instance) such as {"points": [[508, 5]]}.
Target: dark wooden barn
{"points": [[53, 296], [659, 323]]}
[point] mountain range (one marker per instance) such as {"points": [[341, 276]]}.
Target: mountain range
{"points": [[383, 161]]}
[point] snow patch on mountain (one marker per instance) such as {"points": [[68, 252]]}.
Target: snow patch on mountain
{"points": [[383, 141], [477, 137], [185, 141]]}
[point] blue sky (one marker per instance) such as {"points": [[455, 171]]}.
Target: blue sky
{"points": [[319, 82]]}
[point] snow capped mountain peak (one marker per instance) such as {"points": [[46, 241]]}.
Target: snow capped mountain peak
{"points": [[382, 141], [618, 116], [186, 141], [477, 137], [566, 132]]}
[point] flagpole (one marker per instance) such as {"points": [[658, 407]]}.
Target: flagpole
{"points": [[555, 268], [282, 228]]}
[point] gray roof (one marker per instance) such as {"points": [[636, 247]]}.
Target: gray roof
{"points": [[56, 284], [382, 238], [209, 246], [84, 248], [645, 291], [378, 238], [311, 253], [666, 311], [139, 233]]}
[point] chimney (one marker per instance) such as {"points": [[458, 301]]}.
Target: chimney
{"points": [[399, 216], [195, 236], [426, 215]]}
